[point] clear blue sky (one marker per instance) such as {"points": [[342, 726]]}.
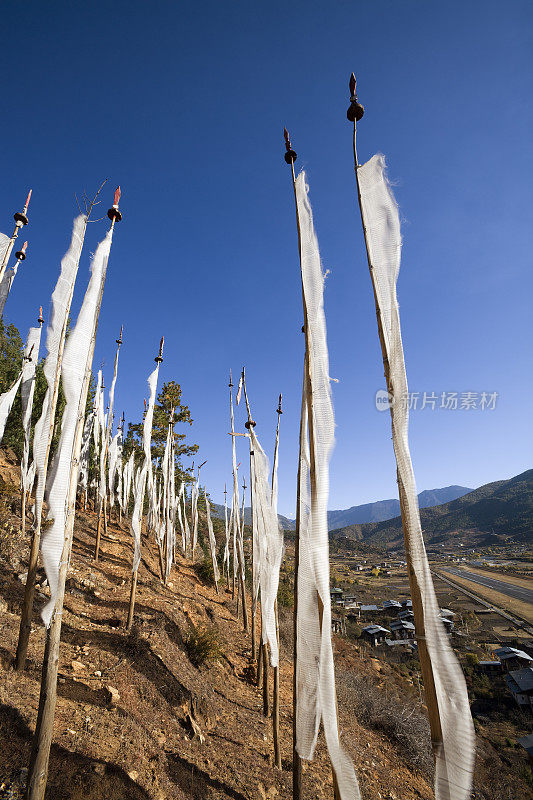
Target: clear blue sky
{"points": [[183, 104]]}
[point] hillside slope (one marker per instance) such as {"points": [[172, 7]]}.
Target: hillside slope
{"points": [[495, 510], [137, 720]]}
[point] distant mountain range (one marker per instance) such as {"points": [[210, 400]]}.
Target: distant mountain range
{"points": [[490, 514], [368, 512]]}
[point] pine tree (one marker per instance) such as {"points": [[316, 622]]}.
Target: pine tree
{"points": [[168, 398]]}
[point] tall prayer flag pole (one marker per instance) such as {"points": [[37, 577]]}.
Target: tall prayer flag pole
{"points": [[290, 157], [103, 489], [21, 219], [275, 696], [315, 675], [143, 474], [446, 695], [87, 324], [44, 429]]}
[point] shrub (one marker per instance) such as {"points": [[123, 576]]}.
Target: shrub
{"points": [[401, 721], [203, 645], [204, 570], [285, 594]]}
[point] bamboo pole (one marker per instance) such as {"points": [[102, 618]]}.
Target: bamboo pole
{"points": [[20, 220], [355, 114], [38, 768], [29, 589]]}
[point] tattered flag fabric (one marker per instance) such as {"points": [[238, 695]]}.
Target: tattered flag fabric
{"points": [[6, 402], [27, 388], [76, 361], [145, 472], [212, 540], [85, 448], [454, 757], [61, 300], [270, 539], [6, 284], [315, 677]]}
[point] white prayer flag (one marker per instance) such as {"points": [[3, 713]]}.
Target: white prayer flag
{"points": [[455, 757]]}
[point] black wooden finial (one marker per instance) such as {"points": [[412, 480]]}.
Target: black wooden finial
{"points": [[290, 155], [21, 254], [356, 110], [113, 213], [21, 216], [159, 357]]}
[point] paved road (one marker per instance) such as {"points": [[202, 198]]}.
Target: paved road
{"points": [[518, 592]]}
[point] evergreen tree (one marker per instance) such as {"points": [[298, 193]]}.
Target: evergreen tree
{"points": [[168, 398]]}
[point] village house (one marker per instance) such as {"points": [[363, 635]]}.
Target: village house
{"points": [[447, 622], [402, 629], [336, 596], [406, 615], [375, 634], [513, 659], [372, 608], [527, 743], [391, 606], [520, 684], [490, 667]]}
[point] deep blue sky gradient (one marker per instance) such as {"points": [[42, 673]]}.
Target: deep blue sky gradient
{"points": [[183, 104]]}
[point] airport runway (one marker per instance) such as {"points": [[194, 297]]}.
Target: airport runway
{"points": [[518, 592]]}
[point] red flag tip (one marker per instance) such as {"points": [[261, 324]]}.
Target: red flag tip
{"points": [[27, 201], [24, 246], [117, 196], [353, 84]]}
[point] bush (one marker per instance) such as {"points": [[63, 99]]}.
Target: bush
{"points": [[404, 724], [285, 594], [203, 645], [204, 570]]}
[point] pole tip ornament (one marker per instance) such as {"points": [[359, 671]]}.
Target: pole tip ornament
{"points": [[356, 110], [230, 384], [20, 217], [21, 254], [119, 340], [113, 213], [41, 318], [250, 424], [290, 155], [278, 409], [159, 357]]}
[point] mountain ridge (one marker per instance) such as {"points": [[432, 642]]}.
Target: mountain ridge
{"points": [[495, 510], [378, 511]]}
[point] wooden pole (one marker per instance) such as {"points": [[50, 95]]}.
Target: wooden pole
{"points": [[275, 697], [38, 769], [296, 760], [355, 113], [102, 505], [249, 424], [29, 589], [20, 220], [131, 606], [290, 158]]}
